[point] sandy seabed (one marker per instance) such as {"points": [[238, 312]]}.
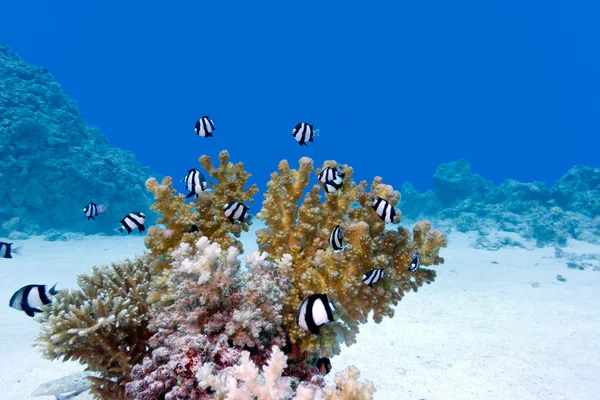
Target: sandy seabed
{"points": [[480, 331]]}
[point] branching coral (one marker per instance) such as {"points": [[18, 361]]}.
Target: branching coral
{"points": [[302, 230], [245, 381], [104, 325], [217, 311], [186, 222]]}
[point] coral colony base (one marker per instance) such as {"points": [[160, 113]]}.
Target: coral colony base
{"points": [[187, 320]]}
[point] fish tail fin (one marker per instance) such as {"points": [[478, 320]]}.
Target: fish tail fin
{"points": [[209, 134], [317, 132], [249, 219], [332, 304], [53, 291], [17, 249], [120, 229], [190, 194]]}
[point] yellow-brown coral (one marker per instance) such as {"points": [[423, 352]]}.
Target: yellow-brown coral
{"points": [[302, 230], [186, 222]]}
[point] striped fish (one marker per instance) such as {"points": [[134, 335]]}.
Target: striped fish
{"points": [[234, 210], [416, 262], [204, 127], [31, 297], [336, 240], [332, 179], [304, 132], [384, 209], [132, 221], [91, 210], [195, 182], [373, 276], [316, 310]]}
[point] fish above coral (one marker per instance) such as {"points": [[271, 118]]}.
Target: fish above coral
{"points": [[236, 211], [384, 209], [373, 276], [336, 239], [332, 179], [30, 298], [133, 220], [204, 127], [195, 183], [304, 132]]}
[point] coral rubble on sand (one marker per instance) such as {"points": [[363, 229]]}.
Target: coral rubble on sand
{"points": [[214, 328], [52, 162], [466, 201]]}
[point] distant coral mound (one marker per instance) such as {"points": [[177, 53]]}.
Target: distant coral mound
{"points": [[52, 163], [466, 201]]}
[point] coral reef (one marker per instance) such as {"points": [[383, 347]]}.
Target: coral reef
{"points": [[192, 322], [184, 222], [103, 325], [302, 230], [52, 163], [465, 201]]}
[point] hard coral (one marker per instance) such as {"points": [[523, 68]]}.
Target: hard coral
{"points": [[302, 231], [217, 311], [104, 325], [186, 222]]}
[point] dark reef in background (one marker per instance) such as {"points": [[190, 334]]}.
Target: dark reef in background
{"points": [[466, 201], [52, 163]]}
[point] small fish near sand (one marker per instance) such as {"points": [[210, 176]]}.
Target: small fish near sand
{"points": [[66, 387], [132, 221], [92, 209], [30, 298], [304, 132], [204, 126], [7, 250], [316, 310]]}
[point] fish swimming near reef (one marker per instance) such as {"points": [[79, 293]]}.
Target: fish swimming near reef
{"points": [[384, 209], [316, 310], [416, 262], [332, 179], [66, 387], [324, 365], [7, 250], [91, 210], [234, 210], [304, 132], [204, 127], [336, 239], [132, 221], [195, 182], [373, 276], [31, 297]]}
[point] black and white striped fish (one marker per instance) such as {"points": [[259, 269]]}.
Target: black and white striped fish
{"points": [[304, 132], [384, 209], [7, 250], [31, 297], [373, 276], [91, 210], [316, 310], [234, 210], [332, 179], [336, 239], [195, 182], [204, 127], [132, 221], [416, 262]]}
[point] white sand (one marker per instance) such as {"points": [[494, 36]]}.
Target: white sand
{"points": [[481, 331]]}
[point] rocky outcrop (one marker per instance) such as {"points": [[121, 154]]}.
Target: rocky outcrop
{"points": [[466, 201], [52, 163]]}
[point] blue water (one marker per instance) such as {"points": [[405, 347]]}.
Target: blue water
{"points": [[395, 88]]}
